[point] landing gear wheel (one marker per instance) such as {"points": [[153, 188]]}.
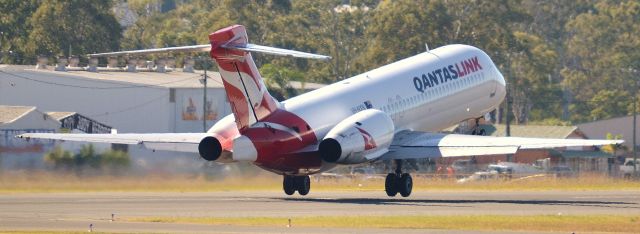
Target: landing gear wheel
{"points": [[398, 182], [303, 184], [405, 185], [390, 185], [289, 185]]}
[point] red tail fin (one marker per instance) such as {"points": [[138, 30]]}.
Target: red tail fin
{"points": [[250, 101]]}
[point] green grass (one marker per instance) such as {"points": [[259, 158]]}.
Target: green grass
{"points": [[43, 182], [551, 223]]}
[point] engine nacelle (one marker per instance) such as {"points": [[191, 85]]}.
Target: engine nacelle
{"points": [[218, 145], [210, 148], [362, 137]]}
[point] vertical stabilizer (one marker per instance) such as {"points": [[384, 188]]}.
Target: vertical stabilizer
{"points": [[250, 101]]}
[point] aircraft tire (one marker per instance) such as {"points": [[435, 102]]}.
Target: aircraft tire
{"points": [[405, 185], [303, 184], [390, 185], [289, 185]]}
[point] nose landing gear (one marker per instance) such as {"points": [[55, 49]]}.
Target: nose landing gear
{"points": [[291, 184], [477, 130], [398, 182]]}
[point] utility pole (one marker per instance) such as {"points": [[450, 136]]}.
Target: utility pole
{"points": [[507, 86], [1, 52], [635, 155], [635, 113], [508, 120], [205, 64]]}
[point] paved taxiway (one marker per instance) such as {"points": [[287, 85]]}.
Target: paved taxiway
{"points": [[75, 211]]}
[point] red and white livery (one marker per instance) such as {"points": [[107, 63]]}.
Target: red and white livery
{"points": [[389, 113]]}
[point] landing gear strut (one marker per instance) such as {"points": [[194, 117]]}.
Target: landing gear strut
{"points": [[477, 130], [291, 184], [398, 182]]}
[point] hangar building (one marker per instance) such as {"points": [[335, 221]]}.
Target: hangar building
{"points": [[131, 102], [128, 101]]}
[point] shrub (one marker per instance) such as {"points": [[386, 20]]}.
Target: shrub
{"points": [[87, 160]]}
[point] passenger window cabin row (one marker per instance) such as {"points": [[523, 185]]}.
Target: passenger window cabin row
{"points": [[455, 86]]}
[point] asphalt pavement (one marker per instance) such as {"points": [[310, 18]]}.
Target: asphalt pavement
{"points": [[76, 211]]}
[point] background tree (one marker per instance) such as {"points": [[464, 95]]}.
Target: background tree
{"points": [[401, 29], [278, 79], [548, 23], [87, 161], [604, 45], [73, 27], [563, 60], [14, 30]]}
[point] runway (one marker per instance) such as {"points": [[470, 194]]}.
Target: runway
{"points": [[76, 211]]}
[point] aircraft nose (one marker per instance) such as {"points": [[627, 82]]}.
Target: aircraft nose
{"points": [[500, 77]]}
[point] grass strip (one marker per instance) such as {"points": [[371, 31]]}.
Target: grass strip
{"points": [[545, 223], [52, 182]]}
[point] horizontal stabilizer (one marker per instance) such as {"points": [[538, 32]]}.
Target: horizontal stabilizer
{"points": [[276, 51], [179, 49], [207, 48]]}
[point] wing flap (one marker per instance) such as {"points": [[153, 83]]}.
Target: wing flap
{"points": [[401, 152], [412, 144], [172, 146]]}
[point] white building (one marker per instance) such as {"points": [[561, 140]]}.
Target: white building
{"points": [[128, 101], [19, 154], [131, 102]]}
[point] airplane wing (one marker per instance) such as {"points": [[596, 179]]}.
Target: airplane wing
{"points": [[181, 142], [412, 144]]}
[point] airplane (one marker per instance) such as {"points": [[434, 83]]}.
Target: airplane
{"points": [[389, 113]]}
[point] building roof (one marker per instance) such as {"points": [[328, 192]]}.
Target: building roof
{"points": [[174, 79], [9, 114], [615, 126], [60, 115], [530, 130]]}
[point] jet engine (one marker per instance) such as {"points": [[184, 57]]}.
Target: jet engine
{"points": [[362, 137], [217, 146], [210, 148]]}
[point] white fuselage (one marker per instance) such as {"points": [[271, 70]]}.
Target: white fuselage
{"points": [[400, 90]]}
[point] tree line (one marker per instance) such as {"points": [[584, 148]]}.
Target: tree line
{"points": [[565, 62]]}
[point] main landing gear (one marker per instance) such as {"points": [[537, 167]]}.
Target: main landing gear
{"points": [[398, 182], [291, 184]]}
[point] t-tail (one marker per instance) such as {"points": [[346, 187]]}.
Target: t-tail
{"points": [[250, 101]]}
